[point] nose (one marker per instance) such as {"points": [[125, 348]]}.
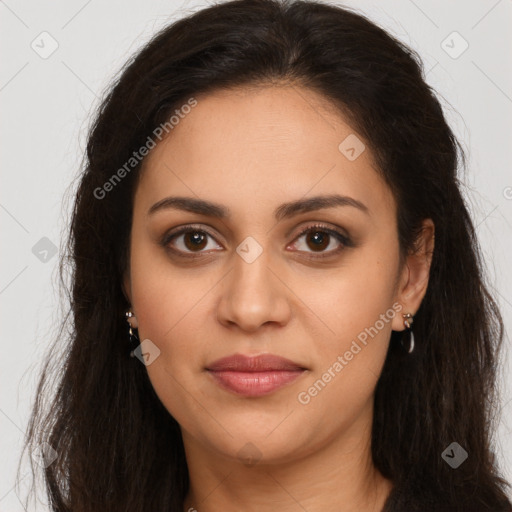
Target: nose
{"points": [[252, 295]]}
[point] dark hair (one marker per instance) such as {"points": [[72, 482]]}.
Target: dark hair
{"points": [[118, 447]]}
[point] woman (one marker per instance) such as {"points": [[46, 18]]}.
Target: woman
{"points": [[277, 291]]}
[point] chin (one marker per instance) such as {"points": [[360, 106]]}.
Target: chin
{"points": [[251, 446]]}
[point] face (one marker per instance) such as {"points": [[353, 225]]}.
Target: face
{"points": [[277, 273]]}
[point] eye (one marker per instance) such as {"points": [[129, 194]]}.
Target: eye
{"points": [[193, 241], [189, 240], [322, 240]]}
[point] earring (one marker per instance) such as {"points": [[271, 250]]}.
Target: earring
{"points": [[408, 320], [134, 338]]}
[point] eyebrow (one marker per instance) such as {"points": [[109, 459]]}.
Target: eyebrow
{"points": [[284, 211]]}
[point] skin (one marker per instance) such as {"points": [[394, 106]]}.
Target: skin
{"points": [[250, 150]]}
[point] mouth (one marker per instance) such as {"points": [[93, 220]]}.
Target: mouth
{"points": [[254, 376]]}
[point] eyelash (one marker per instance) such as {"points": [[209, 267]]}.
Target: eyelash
{"points": [[341, 238]]}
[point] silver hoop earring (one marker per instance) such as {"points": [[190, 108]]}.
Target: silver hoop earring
{"points": [[408, 320]]}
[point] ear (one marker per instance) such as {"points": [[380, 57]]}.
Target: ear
{"points": [[413, 281]]}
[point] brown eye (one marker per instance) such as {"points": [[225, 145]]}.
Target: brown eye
{"points": [[317, 240], [189, 240], [322, 240], [194, 240]]}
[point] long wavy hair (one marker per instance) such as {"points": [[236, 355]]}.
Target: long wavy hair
{"points": [[118, 448]]}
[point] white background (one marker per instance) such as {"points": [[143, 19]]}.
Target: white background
{"points": [[46, 109]]}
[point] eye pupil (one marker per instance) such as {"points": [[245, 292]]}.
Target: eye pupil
{"points": [[320, 240], [194, 240]]}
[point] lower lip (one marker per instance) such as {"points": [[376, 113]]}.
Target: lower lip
{"points": [[255, 383]]}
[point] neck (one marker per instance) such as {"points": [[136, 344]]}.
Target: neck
{"points": [[341, 473]]}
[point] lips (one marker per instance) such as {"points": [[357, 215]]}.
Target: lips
{"points": [[261, 363], [254, 376]]}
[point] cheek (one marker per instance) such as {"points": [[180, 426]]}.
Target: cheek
{"points": [[162, 295], [356, 310], [170, 309], [353, 297]]}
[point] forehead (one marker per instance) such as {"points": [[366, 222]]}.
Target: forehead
{"points": [[251, 146]]}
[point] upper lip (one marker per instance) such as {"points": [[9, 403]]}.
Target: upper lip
{"points": [[259, 363]]}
